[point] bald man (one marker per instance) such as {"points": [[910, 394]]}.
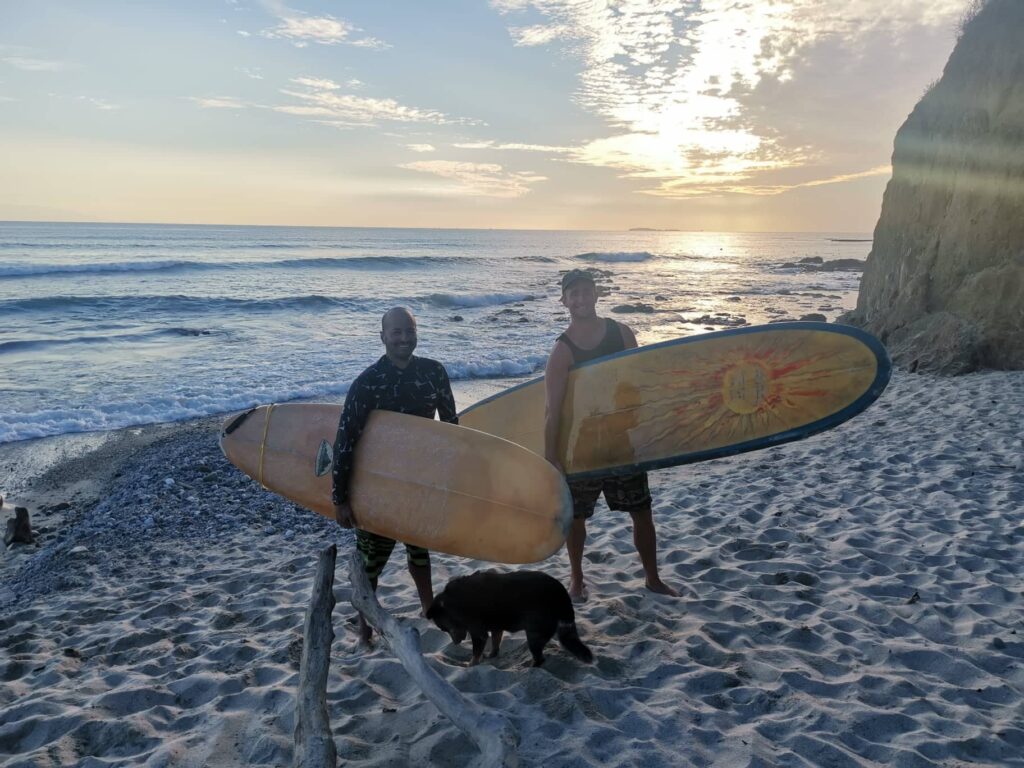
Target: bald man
{"points": [[399, 382]]}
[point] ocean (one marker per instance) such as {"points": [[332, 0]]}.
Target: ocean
{"points": [[104, 326]]}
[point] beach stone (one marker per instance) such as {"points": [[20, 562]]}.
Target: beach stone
{"points": [[19, 528], [815, 317], [79, 550], [60, 507], [713, 320], [816, 264], [639, 307]]}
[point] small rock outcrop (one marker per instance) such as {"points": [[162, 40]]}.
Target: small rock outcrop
{"points": [[944, 284]]}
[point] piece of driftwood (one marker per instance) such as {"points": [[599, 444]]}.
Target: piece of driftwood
{"points": [[493, 734], [314, 743], [19, 528]]}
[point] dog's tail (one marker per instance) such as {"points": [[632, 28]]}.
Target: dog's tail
{"points": [[570, 640]]}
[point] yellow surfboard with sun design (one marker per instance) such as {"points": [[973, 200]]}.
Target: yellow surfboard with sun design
{"points": [[697, 398]]}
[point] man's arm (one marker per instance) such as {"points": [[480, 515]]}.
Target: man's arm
{"points": [[446, 398], [358, 404], [628, 337], [556, 379]]}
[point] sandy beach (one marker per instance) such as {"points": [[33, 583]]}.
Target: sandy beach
{"points": [[852, 599]]}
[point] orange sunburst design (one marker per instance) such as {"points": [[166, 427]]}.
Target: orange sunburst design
{"points": [[715, 394]]}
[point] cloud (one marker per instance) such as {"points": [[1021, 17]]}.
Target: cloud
{"points": [[681, 84], [515, 146], [507, 6], [322, 98], [483, 179], [317, 83], [421, 147], [252, 72], [243, 33], [99, 103], [37, 65], [688, 189], [539, 34], [324, 30], [218, 102]]}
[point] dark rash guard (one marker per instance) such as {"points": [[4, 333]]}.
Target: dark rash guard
{"points": [[421, 388]]}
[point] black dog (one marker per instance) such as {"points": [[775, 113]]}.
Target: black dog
{"points": [[492, 602]]}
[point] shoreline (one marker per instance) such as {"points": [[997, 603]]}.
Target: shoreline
{"points": [[851, 598], [29, 464]]}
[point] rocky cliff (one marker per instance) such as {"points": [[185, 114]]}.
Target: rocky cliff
{"points": [[944, 284]]}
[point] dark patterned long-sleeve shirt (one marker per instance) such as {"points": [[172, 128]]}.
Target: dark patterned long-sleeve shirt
{"points": [[421, 388]]}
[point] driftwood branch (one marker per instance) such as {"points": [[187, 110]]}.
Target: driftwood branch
{"points": [[314, 743], [493, 734]]}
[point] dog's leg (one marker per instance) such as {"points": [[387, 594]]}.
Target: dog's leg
{"points": [[536, 642], [495, 643], [479, 641]]}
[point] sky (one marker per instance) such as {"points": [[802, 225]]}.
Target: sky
{"points": [[725, 115]]}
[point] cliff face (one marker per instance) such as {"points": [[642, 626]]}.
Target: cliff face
{"points": [[944, 284]]}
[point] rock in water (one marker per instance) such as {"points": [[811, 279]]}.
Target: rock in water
{"points": [[19, 529], [944, 284]]}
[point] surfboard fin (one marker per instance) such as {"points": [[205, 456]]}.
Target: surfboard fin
{"points": [[324, 459]]}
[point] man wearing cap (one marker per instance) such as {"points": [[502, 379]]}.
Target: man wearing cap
{"points": [[589, 337]]}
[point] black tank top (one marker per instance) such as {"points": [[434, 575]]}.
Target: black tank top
{"points": [[609, 345]]}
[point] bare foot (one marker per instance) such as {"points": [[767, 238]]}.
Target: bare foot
{"points": [[661, 588], [578, 593]]}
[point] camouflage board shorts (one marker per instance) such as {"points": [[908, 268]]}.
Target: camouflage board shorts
{"points": [[626, 493], [376, 550]]}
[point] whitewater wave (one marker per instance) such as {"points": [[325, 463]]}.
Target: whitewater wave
{"points": [[161, 242], [616, 256], [17, 271], [191, 405], [180, 304], [477, 300], [494, 368], [31, 345], [174, 304]]}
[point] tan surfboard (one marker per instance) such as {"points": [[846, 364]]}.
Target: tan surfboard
{"points": [[697, 398], [424, 482]]}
